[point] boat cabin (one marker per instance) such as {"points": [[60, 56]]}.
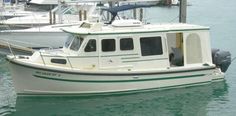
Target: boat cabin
{"points": [[138, 47]]}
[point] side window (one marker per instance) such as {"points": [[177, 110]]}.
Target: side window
{"points": [[151, 46], [126, 44], [91, 46], [108, 45]]}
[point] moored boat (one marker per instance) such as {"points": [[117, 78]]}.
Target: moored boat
{"points": [[50, 35], [62, 14], [121, 56]]}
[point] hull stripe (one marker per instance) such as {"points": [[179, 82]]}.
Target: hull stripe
{"points": [[117, 81]]}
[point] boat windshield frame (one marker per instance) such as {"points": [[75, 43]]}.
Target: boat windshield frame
{"points": [[68, 41], [73, 42]]}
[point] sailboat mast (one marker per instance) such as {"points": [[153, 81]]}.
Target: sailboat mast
{"points": [[59, 12]]}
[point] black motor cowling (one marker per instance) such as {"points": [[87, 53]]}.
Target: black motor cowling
{"points": [[221, 59]]}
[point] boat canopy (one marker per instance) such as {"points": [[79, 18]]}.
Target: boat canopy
{"points": [[114, 10]]}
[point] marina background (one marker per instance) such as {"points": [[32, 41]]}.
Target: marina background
{"points": [[215, 99]]}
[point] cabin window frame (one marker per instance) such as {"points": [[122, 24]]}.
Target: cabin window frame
{"points": [[120, 43], [77, 43], [113, 48], [69, 40], [152, 44], [96, 47]]}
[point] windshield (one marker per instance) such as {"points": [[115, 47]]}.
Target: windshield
{"points": [[68, 40], [75, 45]]}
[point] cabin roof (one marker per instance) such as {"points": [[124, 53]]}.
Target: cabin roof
{"points": [[149, 28]]}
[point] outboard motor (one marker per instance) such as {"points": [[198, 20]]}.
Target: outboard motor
{"points": [[221, 59], [213, 53]]}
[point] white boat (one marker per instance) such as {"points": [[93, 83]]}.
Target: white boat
{"points": [[46, 2], [50, 36], [45, 36], [140, 2], [150, 2], [174, 2], [126, 56], [10, 11], [23, 8], [67, 13]]}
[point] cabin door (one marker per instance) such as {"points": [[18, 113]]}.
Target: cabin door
{"points": [[193, 49], [175, 48], [107, 56]]}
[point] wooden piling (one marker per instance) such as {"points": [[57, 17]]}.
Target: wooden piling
{"points": [[135, 13], [80, 15], [50, 17], [54, 18], [183, 11], [85, 15], [168, 2], [141, 14]]}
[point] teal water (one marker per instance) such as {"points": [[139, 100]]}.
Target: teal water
{"points": [[216, 99]]}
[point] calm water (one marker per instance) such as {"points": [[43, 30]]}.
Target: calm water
{"points": [[216, 99]]}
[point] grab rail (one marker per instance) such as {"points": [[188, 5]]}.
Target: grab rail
{"points": [[69, 62], [9, 46], [21, 44], [42, 58]]}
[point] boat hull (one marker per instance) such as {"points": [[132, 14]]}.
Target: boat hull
{"points": [[43, 81]]}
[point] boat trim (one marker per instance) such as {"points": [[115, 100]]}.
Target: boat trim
{"points": [[136, 54], [135, 32], [117, 81], [129, 58], [144, 60]]}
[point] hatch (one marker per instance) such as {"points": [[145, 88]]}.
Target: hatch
{"points": [[126, 23]]}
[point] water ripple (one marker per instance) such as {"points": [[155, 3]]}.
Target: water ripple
{"points": [[7, 95]]}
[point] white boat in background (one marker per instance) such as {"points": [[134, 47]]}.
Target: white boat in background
{"points": [[140, 2], [46, 2], [9, 11], [124, 56], [50, 36], [174, 2], [67, 13], [34, 20], [23, 8], [149, 2]]}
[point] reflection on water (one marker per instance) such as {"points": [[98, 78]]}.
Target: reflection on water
{"points": [[183, 101], [7, 95]]}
